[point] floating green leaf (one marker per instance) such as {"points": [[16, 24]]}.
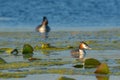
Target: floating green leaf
{"points": [[102, 69], [27, 49], [91, 62]]}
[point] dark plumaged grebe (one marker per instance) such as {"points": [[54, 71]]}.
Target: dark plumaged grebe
{"points": [[43, 28]]}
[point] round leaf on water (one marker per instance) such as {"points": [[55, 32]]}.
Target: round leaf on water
{"points": [[91, 62], [102, 69], [27, 48]]}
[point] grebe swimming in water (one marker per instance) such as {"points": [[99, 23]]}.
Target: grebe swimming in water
{"points": [[80, 53], [44, 28]]}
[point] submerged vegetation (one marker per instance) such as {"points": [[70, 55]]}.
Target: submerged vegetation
{"points": [[22, 69], [17, 65], [52, 63], [7, 50], [106, 39], [2, 61]]}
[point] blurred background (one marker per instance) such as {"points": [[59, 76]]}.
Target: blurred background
{"points": [[62, 14]]}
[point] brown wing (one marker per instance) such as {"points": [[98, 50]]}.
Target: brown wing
{"points": [[75, 53]]}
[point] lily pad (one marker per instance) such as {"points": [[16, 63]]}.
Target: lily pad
{"points": [[2, 61], [89, 63], [102, 69], [27, 49], [65, 78]]}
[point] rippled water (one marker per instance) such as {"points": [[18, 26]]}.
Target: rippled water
{"points": [[104, 52], [55, 77], [108, 56], [69, 19], [62, 14]]}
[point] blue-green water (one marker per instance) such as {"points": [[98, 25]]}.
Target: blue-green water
{"points": [[68, 19], [104, 44], [56, 76], [61, 14]]}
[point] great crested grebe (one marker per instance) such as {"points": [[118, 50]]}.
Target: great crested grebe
{"points": [[43, 28], [80, 53]]}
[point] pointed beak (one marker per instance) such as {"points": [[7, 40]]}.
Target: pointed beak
{"points": [[88, 48]]}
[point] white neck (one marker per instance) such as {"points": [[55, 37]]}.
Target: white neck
{"points": [[43, 25], [82, 54], [42, 29]]}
